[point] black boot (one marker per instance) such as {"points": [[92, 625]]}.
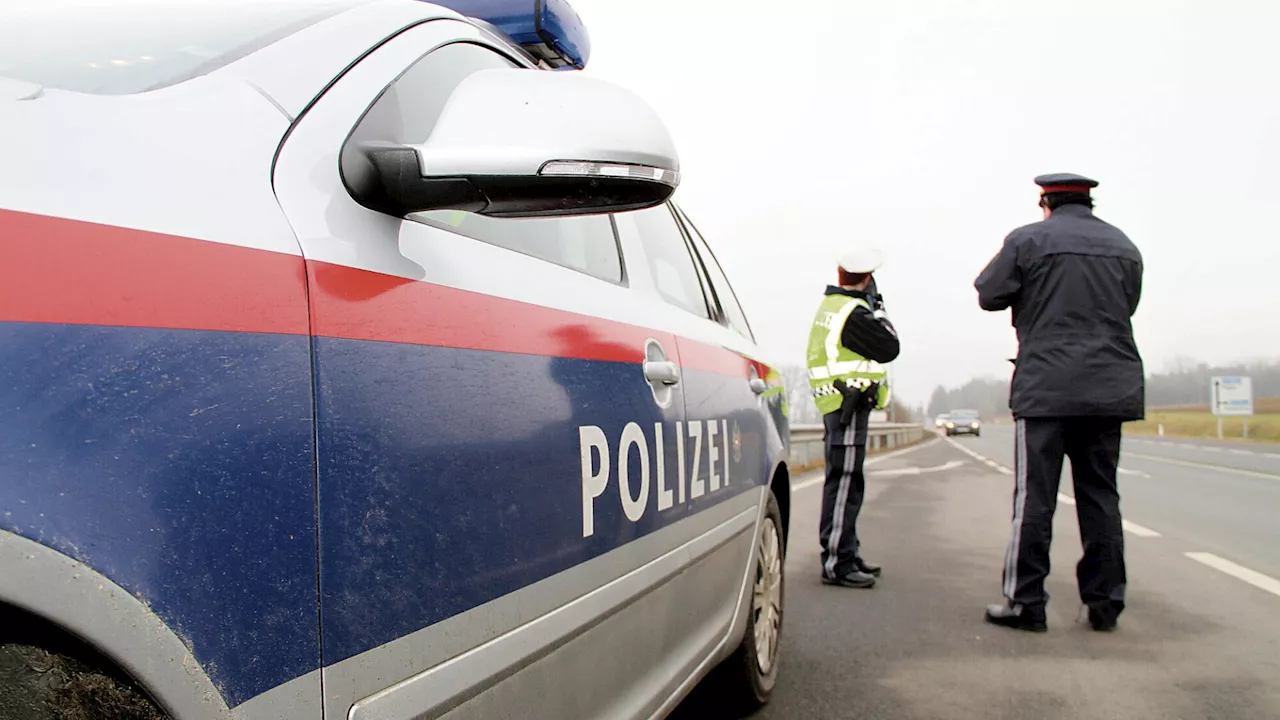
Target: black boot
{"points": [[1018, 617], [851, 579], [1102, 621], [868, 568]]}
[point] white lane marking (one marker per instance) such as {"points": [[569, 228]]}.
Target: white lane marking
{"points": [[1210, 466], [810, 482], [871, 460], [1239, 572], [1139, 530], [1205, 448], [918, 470], [1126, 471], [979, 458]]}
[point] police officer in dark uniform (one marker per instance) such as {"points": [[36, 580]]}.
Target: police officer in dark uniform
{"points": [[1073, 282]]}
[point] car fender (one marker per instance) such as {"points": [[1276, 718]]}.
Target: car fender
{"points": [[68, 593]]}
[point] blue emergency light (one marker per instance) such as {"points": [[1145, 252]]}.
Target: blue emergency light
{"points": [[549, 30]]}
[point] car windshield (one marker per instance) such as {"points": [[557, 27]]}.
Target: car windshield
{"points": [[964, 415], [130, 46]]}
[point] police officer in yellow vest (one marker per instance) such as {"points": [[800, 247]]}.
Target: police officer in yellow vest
{"points": [[850, 340]]}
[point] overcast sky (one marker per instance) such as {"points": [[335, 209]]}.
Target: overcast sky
{"points": [[922, 123]]}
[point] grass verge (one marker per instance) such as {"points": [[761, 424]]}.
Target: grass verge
{"points": [[1201, 424]]}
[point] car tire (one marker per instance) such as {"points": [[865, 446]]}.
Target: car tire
{"points": [[746, 679], [41, 685]]}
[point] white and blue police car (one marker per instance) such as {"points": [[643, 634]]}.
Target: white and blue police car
{"points": [[356, 363]]}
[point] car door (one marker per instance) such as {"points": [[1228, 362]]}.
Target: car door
{"points": [[497, 432], [720, 478], [766, 439], [723, 382]]}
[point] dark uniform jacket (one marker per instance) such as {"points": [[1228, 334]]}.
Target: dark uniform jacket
{"points": [[871, 337], [1073, 282]]}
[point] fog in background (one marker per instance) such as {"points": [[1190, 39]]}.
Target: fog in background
{"points": [[921, 124]]}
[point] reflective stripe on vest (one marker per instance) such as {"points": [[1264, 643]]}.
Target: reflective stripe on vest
{"points": [[846, 367], [829, 360]]}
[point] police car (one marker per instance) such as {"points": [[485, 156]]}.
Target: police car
{"points": [[356, 363]]}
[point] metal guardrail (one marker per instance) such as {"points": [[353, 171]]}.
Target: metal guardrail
{"points": [[806, 441]]}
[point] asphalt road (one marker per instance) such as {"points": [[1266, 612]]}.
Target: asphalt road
{"points": [[1214, 497], [1195, 642]]}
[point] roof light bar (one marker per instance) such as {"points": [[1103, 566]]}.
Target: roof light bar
{"points": [[549, 30], [583, 168]]}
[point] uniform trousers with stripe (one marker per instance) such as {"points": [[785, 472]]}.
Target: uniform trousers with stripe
{"points": [[1093, 445], [845, 452]]}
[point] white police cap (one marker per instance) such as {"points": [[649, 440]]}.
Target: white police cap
{"points": [[862, 258]]}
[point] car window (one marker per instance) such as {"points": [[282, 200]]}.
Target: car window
{"points": [[667, 255], [719, 282], [586, 244], [407, 111], [131, 46]]}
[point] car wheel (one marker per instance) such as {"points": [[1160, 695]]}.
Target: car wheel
{"points": [[40, 685], [745, 680]]}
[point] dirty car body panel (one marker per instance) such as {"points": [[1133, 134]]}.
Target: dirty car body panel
{"points": [[279, 455]]}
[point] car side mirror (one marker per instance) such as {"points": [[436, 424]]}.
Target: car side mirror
{"points": [[529, 143]]}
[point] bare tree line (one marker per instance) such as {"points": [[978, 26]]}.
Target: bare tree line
{"points": [[1185, 381]]}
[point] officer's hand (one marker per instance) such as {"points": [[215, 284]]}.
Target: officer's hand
{"points": [[869, 397]]}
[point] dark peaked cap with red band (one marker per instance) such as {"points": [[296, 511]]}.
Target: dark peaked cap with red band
{"points": [[1065, 182]]}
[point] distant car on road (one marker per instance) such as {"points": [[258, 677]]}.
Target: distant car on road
{"points": [[963, 422], [941, 420]]}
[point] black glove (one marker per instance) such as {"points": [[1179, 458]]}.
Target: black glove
{"points": [[870, 396]]}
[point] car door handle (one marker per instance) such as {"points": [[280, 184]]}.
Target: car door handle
{"points": [[758, 386], [663, 371]]}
